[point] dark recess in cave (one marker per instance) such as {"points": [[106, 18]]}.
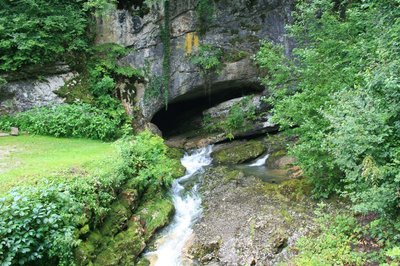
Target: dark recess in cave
{"points": [[135, 7], [184, 115], [128, 4]]}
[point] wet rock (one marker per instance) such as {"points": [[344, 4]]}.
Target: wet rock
{"points": [[123, 236], [238, 152], [206, 252], [280, 160], [221, 110], [187, 143]]}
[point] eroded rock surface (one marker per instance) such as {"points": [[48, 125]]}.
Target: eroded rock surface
{"points": [[21, 95]]}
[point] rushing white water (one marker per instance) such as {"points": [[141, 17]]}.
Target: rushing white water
{"points": [[187, 211], [261, 161]]}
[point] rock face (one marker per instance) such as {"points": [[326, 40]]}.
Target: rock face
{"points": [[21, 95], [236, 28]]}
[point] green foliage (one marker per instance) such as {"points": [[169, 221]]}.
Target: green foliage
{"points": [[38, 32], [342, 98], [99, 7], [35, 223], [2, 82], [154, 89], [207, 58], [148, 159], [100, 81], [205, 14], [239, 118], [344, 239], [67, 120], [332, 245], [166, 39], [235, 56], [394, 255], [41, 224]]}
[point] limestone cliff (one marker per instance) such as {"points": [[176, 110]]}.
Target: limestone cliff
{"points": [[235, 27]]}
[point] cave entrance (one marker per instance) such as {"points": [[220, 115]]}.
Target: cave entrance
{"points": [[184, 115], [129, 4]]}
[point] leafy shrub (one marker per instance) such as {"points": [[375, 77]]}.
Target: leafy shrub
{"points": [[239, 117], [147, 155], [36, 223], [205, 14], [75, 120], [207, 58], [39, 32], [340, 96], [342, 99], [41, 224], [101, 80], [332, 245]]}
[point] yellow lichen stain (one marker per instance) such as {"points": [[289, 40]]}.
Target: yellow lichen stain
{"points": [[196, 41], [188, 43], [191, 42]]}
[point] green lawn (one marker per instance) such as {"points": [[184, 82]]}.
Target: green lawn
{"points": [[26, 159]]}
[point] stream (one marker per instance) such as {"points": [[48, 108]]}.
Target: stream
{"points": [[187, 203], [171, 241]]}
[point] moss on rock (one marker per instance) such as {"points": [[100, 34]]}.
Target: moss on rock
{"points": [[124, 248], [176, 154], [116, 220], [86, 251], [239, 152], [155, 213], [129, 198]]}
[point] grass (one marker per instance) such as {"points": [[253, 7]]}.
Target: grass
{"points": [[26, 159]]}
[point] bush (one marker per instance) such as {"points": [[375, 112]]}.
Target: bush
{"points": [[41, 224], [147, 157], [37, 223], [333, 245], [207, 58], [39, 32], [238, 119], [75, 120], [340, 96]]}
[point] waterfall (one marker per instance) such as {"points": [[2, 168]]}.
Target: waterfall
{"points": [[188, 209], [261, 161]]}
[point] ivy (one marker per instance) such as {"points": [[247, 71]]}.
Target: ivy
{"points": [[205, 14], [166, 39], [209, 60]]}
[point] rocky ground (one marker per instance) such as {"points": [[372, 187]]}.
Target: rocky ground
{"points": [[247, 221]]}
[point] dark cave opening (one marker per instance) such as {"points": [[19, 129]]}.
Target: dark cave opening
{"points": [[129, 4], [135, 7], [185, 113]]}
